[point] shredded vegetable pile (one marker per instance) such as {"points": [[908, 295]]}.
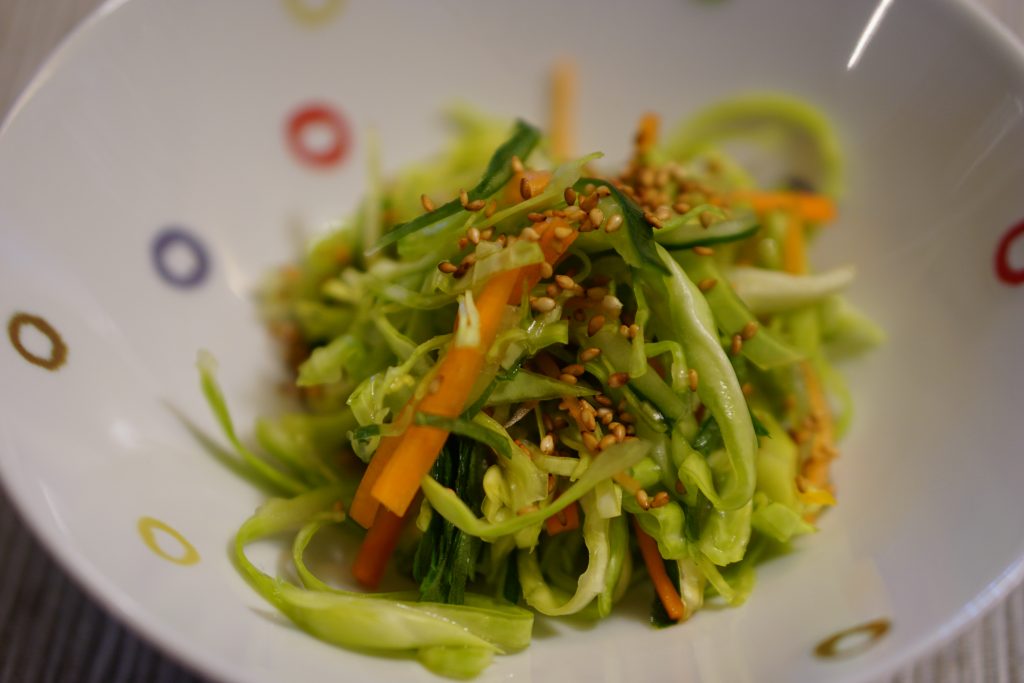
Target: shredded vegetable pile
{"points": [[558, 386]]}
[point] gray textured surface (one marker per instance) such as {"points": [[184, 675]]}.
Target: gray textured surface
{"points": [[51, 631]]}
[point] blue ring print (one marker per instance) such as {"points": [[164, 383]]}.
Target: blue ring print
{"points": [[167, 239]]}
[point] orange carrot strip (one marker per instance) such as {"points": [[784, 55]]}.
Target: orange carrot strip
{"points": [[364, 506], [667, 593], [377, 547], [565, 520], [459, 369], [563, 96], [554, 249], [814, 208]]}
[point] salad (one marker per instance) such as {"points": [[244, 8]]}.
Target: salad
{"points": [[531, 384]]}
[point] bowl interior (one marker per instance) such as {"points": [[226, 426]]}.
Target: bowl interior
{"points": [[148, 182]]}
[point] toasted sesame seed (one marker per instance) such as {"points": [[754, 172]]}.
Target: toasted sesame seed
{"points": [[474, 235], [570, 196], [535, 217], [525, 189], [707, 284], [567, 378], [624, 331], [663, 213], [626, 418], [590, 354], [562, 231], [573, 213], [463, 198], [660, 499], [681, 207], [469, 259], [603, 191], [529, 234], [447, 267], [546, 270], [603, 400], [543, 304], [618, 429], [737, 345], [492, 206], [501, 239], [590, 441], [596, 216], [428, 205], [565, 282], [618, 379], [651, 219], [487, 234], [575, 369], [707, 219], [462, 243], [588, 420], [749, 330], [516, 164], [552, 290], [461, 272], [596, 293], [661, 178], [595, 324], [605, 414], [588, 203], [476, 205], [612, 304], [646, 176], [547, 444], [606, 441], [643, 500], [613, 223], [703, 251], [634, 331]]}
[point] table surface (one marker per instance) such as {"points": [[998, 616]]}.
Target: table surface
{"points": [[51, 631]]}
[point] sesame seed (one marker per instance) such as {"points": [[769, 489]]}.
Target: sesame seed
{"points": [[469, 259], [626, 418], [590, 354], [588, 420], [525, 189], [516, 164], [570, 196], [546, 270], [692, 378], [463, 198], [573, 213], [643, 500], [707, 284], [474, 235], [596, 216], [588, 203], [749, 330], [529, 234], [663, 213], [618, 429], [567, 378], [605, 414], [547, 445], [447, 267], [476, 205], [703, 251], [428, 205], [624, 331], [737, 345], [590, 441], [603, 400], [575, 369], [543, 304], [535, 217], [614, 223], [661, 178], [563, 231], [603, 190], [661, 499], [606, 441], [596, 293], [681, 207], [651, 219], [492, 206], [707, 219], [618, 379], [634, 331], [646, 176], [552, 290], [462, 243], [595, 324], [565, 282]]}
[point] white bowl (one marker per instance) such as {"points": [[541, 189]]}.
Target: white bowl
{"points": [[159, 115]]}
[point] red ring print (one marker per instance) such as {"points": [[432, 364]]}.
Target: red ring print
{"points": [[305, 121], [1004, 270], [58, 349]]}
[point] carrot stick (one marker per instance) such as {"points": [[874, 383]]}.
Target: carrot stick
{"points": [[565, 520], [554, 249], [420, 445], [364, 506], [377, 547], [667, 593], [814, 208]]}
